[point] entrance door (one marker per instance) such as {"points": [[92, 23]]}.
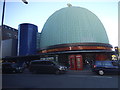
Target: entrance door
{"points": [[76, 62]]}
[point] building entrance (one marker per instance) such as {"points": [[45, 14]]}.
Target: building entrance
{"points": [[76, 62]]}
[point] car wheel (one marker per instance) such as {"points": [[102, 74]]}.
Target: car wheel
{"points": [[21, 71], [14, 71], [57, 72], [101, 72], [34, 71]]}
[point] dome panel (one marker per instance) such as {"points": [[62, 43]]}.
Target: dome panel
{"points": [[73, 25]]}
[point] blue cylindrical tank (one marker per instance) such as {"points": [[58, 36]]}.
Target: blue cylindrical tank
{"points": [[27, 39]]}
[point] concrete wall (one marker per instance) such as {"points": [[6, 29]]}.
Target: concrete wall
{"points": [[9, 47]]}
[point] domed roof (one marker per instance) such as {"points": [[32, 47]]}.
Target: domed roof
{"points": [[72, 25]]}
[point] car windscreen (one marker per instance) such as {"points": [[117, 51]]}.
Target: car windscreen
{"points": [[6, 65], [42, 63], [14, 65]]}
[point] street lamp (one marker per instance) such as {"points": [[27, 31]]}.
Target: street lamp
{"points": [[3, 12], [25, 1]]}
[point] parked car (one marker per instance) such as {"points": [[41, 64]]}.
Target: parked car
{"points": [[8, 67], [46, 66], [21, 66], [102, 67]]}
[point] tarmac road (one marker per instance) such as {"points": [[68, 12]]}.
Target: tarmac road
{"points": [[72, 79]]}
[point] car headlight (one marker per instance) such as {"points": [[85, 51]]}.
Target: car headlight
{"points": [[61, 68], [18, 68]]}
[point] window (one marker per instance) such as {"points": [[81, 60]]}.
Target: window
{"points": [[6, 65], [6, 27], [14, 65], [116, 63], [46, 63], [16, 36], [9, 34], [49, 63], [107, 63], [98, 63]]}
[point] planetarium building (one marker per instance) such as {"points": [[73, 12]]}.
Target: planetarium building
{"points": [[75, 36]]}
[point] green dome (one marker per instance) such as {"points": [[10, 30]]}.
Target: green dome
{"points": [[72, 25]]}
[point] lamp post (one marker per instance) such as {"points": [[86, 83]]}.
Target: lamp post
{"points": [[3, 12]]}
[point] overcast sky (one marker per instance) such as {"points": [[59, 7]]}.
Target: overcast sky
{"points": [[38, 11]]}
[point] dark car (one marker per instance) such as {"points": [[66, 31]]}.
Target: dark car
{"points": [[102, 67], [8, 67], [21, 66], [46, 66]]}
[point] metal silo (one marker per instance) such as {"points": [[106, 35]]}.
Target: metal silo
{"points": [[27, 39]]}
